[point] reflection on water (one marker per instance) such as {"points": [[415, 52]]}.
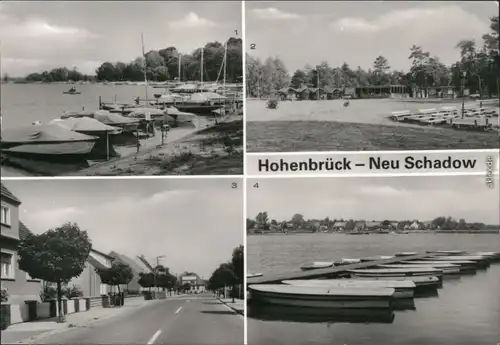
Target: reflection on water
{"points": [[404, 304], [426, 293], [465, 311], [319, 315]]}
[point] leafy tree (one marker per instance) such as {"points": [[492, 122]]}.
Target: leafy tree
{"points": [[237, 261], [186, 287], [118, 274], [222, 277], [56, 256], [299, 78], [163, 278], [298, 220], [262, 220], [250, 224], [146, 280]]}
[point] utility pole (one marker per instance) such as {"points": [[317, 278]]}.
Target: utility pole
{"points": [[145, 67], [201, 67], [156, 270], [179, 67], [317, 80], [462, 89]]}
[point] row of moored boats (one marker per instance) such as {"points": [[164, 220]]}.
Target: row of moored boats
{"points": [[363, 286], [471, 117]]}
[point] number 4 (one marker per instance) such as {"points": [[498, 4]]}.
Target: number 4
{"points": [[256, 185]]}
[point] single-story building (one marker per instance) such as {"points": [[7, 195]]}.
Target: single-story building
{"points": [[339, 226], [287, 93], [302, 93], [316, 93], [373, 225]]}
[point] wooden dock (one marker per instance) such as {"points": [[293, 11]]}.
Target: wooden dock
{"points": [[329, 272]]}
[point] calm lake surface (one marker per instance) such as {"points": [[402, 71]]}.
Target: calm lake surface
{"points": [[22, 104], [466, 312]]}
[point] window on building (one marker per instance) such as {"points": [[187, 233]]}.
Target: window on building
{"points": [[7, 261], [5, 215]]}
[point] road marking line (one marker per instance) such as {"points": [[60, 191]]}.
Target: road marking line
{"points": [[178, 310], [154, 337]]}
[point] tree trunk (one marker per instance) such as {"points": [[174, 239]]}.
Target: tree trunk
{"points": [[232, 292], [61, 317], [119, 296]]}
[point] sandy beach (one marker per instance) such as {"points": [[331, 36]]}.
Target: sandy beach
{"points": [[363, 126], [370, 111], [216, 150]]}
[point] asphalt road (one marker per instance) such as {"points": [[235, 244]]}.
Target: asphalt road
{"points": [[188, 320]]}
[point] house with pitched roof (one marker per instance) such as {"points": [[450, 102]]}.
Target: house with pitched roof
{"points": [[197, 284], [19, 285], [89, 282], [137, 265], [339, 226]]}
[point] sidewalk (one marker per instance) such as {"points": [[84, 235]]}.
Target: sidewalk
{"points": [[238, 305], [45, 327]]}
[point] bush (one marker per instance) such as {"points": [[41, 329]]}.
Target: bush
{"points": [[72, 292], [4, 296], [272, 103], [49, 292]]}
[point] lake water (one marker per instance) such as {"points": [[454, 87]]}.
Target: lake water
{"points": [[23, 104], [466, 312]]}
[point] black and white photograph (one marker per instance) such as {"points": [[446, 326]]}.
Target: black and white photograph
{"points": [[370, 76], [384, 260], [119, 261], [110, 88]]}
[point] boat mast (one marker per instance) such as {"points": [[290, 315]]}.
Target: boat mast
{"points": [[224, 77], [201, 67], [180, 64], [145, 67]]}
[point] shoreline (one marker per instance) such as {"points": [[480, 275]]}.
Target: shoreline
{"points": [[198, 153], [211, 149], [406, 232]]}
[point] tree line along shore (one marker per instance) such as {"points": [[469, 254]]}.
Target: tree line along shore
{"points": [[161, 65], [477, 71], [262, 223]]}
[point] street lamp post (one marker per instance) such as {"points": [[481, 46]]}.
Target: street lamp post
{"points": [[462, 87], [156, 270], [317, 80]]}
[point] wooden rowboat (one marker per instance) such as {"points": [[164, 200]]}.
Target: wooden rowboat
{"points": [[322, 297]]}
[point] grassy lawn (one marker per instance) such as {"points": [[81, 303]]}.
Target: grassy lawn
{"points": [[290, 136]]}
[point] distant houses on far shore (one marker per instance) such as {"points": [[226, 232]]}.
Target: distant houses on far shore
{"points": [[347, 226]]}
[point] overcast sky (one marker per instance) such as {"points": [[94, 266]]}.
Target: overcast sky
{"points": [[393, 198], [195, 223], [47, 34], [356, 32]]}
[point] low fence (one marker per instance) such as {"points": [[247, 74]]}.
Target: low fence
{"points": [[34, 310]]}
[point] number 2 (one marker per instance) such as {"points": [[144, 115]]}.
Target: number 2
{"points": [[253, 46]]}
